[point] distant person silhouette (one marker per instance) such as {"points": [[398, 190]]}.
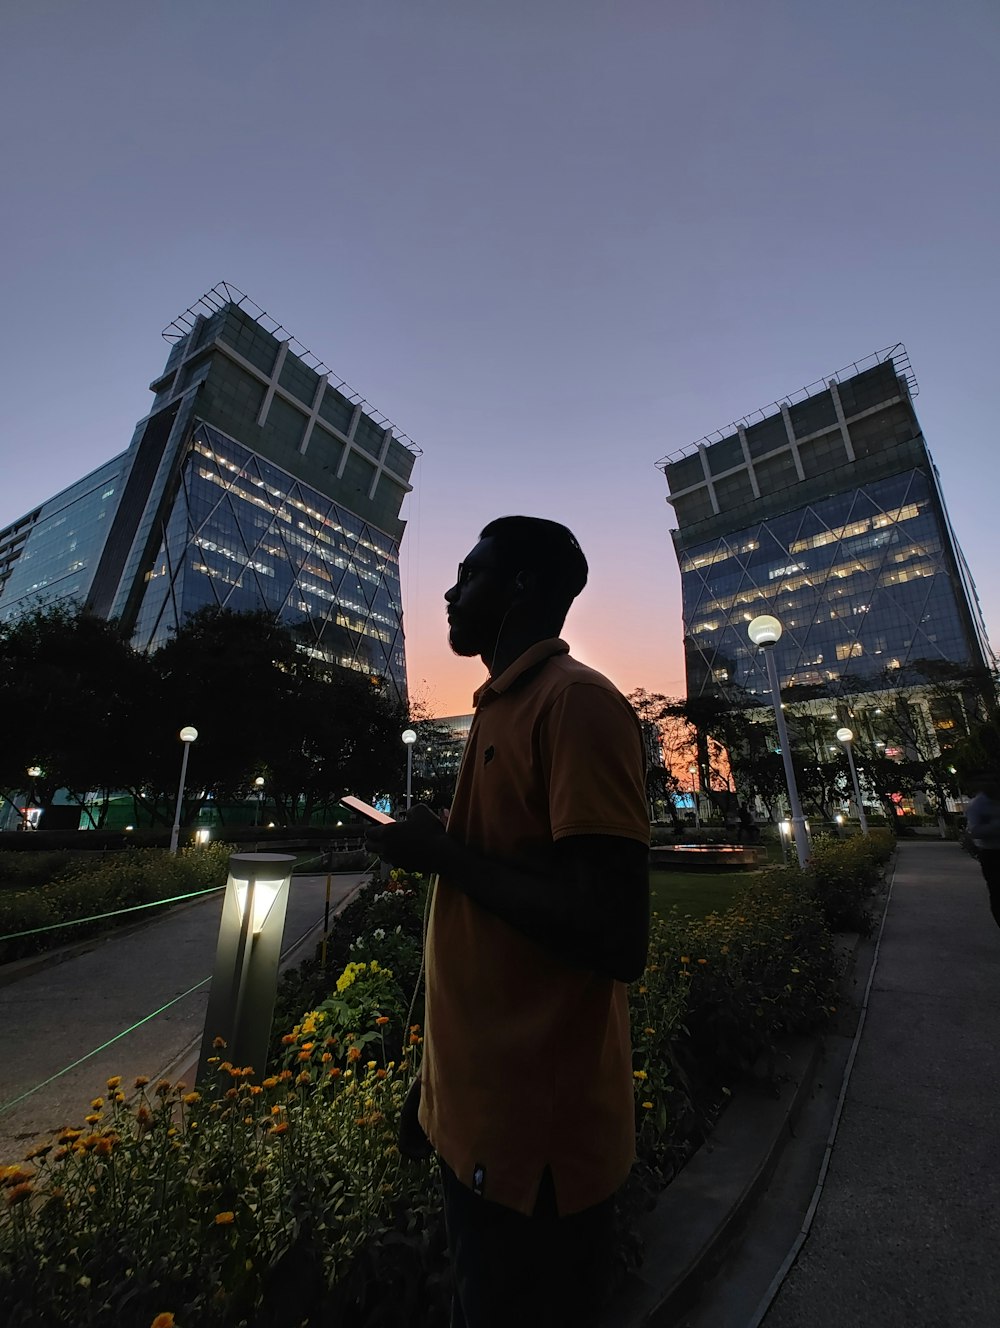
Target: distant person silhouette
{"points": [[982, 820]]}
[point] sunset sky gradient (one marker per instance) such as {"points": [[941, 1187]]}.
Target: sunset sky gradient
{"points": [[552, 241]]}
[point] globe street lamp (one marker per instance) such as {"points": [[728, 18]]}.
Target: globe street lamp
{"points": [[409, 738], [846, 737], [764, 632], [187, 736], [34, 772], [259, 786], [693, 771]]}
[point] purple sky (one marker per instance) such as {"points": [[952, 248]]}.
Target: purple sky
{"points": [[552, 241]]}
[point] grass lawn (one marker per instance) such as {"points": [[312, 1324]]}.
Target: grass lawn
{"points": [[696, 893]]}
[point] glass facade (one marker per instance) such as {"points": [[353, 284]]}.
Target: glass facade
{"points": [[861, 581], [54, 555], [242, 533]]}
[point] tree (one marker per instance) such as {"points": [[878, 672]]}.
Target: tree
{"points": [[73, 693]]}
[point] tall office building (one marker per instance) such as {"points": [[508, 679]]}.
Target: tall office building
{"points": [[259, 480], [824, 510]]}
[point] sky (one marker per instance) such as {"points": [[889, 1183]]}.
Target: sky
{"points": [[552, 240]]}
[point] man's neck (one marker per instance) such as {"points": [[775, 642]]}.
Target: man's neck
{"points": [[511, 647]]}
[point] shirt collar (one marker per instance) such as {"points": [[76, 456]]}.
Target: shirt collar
{"points": [[536, 654]]}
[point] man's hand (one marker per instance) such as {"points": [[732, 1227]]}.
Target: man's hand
{"points": [[416, 844]]}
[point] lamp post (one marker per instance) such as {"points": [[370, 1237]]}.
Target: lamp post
{"points": [[34, 772], [693, 771], [846, 737], [187, 736], [765, 632], [409, 738], [259, 786]]}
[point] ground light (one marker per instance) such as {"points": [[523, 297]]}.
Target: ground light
{"points": [[245, 977], [846, 737], [409, 738], [693, 771], [187, 736], [764, 632]]}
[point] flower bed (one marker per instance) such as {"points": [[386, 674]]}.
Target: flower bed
{"points": [[287, 1199]]}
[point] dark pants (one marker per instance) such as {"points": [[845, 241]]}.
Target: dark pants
{"points": [[513, 1271], [989, 861]]}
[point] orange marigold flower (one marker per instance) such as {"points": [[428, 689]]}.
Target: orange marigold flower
{"points": [[334, 1073], [271, 1081], [308, 1046], [190, 1099], [114, 1081], [219, 1043], [231, 1093], [414, 1028], [354, 1054], [97, 1103], [285, 1075], [380, 1074], [104, 1147], [163, 1321], [702, 961], [279, 1127], [119, 1097], [326, 1058], [163, 1088], [381, 1021], [304, 1055], [255, 1090], [69, 1136], [288, 1039], [141, 1082], [15, 1175], [92, 1119], [144, 1117], [330, 1042], [19, 1193], [415, 1039]]}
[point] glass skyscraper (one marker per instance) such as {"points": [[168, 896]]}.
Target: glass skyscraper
{"points": [[259, 481], [825, 511]]}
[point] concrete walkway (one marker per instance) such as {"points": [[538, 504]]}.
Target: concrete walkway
{"points": [[58, 1013], [907, 1231]]}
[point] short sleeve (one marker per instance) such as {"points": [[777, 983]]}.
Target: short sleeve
{"points": [[592, 751]]}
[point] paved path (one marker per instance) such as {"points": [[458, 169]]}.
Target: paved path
{"points": [[907, 1232], [55, 1016]]}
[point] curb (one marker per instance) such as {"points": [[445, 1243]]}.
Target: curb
{"points": [[698, 1218]]}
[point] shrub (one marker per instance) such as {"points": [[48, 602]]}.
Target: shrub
{"points": [[843, 875], [95, 884]]}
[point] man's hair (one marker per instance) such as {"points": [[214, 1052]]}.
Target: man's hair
{"points": [[545, 548]]}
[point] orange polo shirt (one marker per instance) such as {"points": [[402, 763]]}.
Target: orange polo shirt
{"points": [[527, 1061]]}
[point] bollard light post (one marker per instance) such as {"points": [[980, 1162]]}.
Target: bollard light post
{"points": [[187, 736], [245, 977], [765, 632], [409, 738], [846, 738]]}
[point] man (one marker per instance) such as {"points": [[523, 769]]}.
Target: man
{"points": [[982, 823], [539, 920]]}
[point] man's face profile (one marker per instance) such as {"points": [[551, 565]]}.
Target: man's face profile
{"points": [[478, 601]]}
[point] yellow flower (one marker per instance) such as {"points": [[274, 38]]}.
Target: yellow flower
{"points": [[372, 1064], [97, 1103], [114, 1081], [647, 1106], [225, 1219], [271, 1082], [639, 1074], [190, 1099], [15, 1175], [163, 1321], [649, 1031], [19, 1193]]}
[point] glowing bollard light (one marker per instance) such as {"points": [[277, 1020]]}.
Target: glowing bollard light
{"points": [[846, 738], [245, 978], [765, 632]]}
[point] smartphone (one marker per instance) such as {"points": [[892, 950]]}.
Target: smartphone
{"points": [[366, 810]]}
